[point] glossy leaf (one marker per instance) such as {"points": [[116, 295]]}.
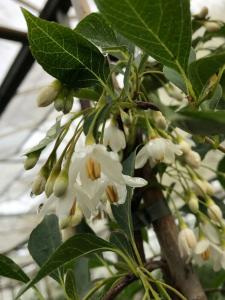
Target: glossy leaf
{"points": [[9, 269], [201, 70], [200, 122], [120, 240], [150, 25], [75, 247], [45, 239], [97, 30], [122, 213], [70, 286], [65, 54]]}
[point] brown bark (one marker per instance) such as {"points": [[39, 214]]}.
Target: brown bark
{"points": [[182, 275]]}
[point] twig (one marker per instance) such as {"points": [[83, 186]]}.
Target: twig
{"points": [[128, 279], [218, 147]]}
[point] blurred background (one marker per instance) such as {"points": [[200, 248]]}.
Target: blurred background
{"points": [[23, 124]]}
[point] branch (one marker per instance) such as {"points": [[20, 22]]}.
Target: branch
{"points": [[215, 146], [182, 276], [128, 279]]}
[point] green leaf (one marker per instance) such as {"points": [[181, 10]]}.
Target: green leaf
{"points": [[120, 240], [213, 102], [209, 278], [44, 240], [82, 275], [65, 54], [87, 93], [200, 122], [9, 269], [221, 168], [51, 135], [201, 70], [161, 28], [127, 73], [97, 30], [70, 286], [122, 213], [173, 76], [75, 247]]}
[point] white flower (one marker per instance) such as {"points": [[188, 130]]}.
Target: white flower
{"points": [[186, 242], [214, 212], [202, 251], [114, 137], [193, 159], [218, 257], [157, 150], [210, 232], [98, 173]]}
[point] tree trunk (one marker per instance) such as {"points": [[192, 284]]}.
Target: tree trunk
{"points": [[182, 275]]}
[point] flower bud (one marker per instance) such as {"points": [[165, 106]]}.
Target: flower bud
{"points": [[59, 102], [186, 242], [203, 13], [212, 26], [214, 212], [193, 203], [184, 146], [193, 159], [114, 137], [159, 119], [39, 182], [68, 104], [51, 180], [203, 187], [31, 160], [61, 183], [175, 94], [49, 94]]}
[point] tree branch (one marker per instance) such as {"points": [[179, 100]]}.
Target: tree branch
{"points": [[183, 278], [125, 281]]}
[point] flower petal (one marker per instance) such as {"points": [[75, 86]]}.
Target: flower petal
{"points": [[141, 158], [134, 181]]}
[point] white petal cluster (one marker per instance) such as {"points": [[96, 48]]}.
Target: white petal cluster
{"points": [[95, 174], [186, 242], [49, 94], [218, 257], [114, 137], [157, 150]]}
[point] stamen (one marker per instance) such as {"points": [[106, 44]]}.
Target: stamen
{"points": [[112, 194], [73, 208], [206, 254], [93, 169]]}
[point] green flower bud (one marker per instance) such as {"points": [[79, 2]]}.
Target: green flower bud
{"points": [[31, 160], [193, 203], [68, 104], [59, 103], [39, 183], [61, 184], [49, 94], [51, 180]]}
